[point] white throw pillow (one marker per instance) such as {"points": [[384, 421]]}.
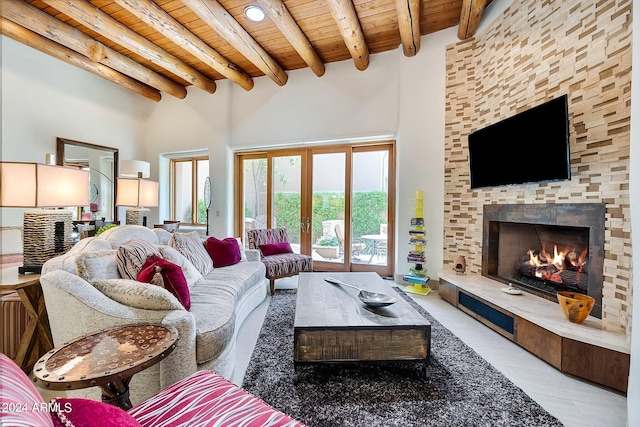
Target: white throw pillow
{"points": [[98, 265], [192, 247], [138, 294], [191, 273], [243, 255]]}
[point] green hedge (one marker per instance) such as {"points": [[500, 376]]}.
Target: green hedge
{"points": [[368, 212]]}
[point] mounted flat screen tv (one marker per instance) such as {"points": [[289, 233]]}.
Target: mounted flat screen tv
{"points": [[531, 146]]}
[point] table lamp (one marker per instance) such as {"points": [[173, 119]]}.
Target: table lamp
{"points": [[139, 193], [46, 232]]}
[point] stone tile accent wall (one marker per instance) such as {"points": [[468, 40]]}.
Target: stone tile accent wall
{"points": [[536, 51]]}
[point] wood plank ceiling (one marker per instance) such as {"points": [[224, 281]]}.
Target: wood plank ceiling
{"points": [[156, 46]]}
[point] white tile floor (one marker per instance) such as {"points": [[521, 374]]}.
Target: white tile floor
{"points": [[571, 400]]}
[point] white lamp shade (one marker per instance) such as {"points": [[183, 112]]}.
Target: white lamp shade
{"points": [[34, 185], [137, 192], [131, 168]]}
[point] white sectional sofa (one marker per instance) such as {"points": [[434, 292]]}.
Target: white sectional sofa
{"points": [[84, 292]]}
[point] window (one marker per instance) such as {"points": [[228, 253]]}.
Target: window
{"points": [[187, 190]]}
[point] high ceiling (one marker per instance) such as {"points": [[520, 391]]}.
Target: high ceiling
{"points": [[160, 47]]}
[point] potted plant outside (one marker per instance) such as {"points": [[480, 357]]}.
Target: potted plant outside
{"points": [[327, 247]]}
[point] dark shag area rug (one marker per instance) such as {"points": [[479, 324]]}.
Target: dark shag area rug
{"points": [[463, 390]]}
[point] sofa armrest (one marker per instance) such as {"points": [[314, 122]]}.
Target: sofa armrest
{"points": [[75, 308], [252, 254]]}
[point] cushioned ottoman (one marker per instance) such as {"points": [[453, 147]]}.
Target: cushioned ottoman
{"points": [[203, 399], [206, 399]]}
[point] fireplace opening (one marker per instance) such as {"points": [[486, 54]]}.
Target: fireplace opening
{"points": [[545, 259], [545, 249]]}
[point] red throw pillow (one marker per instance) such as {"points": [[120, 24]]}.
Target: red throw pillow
{"points": [[78, 412], [171, 275], [275, 248], [223, 252]]}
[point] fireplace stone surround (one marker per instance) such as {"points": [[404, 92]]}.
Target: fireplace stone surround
{"points": [[576, 222]]}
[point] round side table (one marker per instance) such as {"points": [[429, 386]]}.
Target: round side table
{"points": [[107, 358]]}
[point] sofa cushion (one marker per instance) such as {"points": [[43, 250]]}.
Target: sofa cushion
{"points": [[191, 273], [192, 247], [223, 252], [132, 255], [283, 265], [162, 235], [138, 294], [211, 399], [79, 412], [97, 265], [168, 275], [213, 301]]}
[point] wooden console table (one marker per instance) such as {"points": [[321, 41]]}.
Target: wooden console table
{"points": [[36, 339], [592, 350]]}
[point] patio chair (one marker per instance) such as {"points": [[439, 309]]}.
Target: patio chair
{"points": [[357, 245], [277, 255], [170, 226]]}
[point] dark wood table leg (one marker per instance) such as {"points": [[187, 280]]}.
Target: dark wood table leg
{"points": [[116, 393]]}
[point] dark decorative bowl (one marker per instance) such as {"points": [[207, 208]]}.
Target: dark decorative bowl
{"points": [[576, 307]]}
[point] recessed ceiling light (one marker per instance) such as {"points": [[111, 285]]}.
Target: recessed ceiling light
{"points": [[254, 13]]}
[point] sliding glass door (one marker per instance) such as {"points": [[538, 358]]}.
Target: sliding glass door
{"points": [[335, 201]]}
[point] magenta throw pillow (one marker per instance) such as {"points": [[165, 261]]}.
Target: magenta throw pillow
{"points": [[78, 412], [223, 252], [275, 248], [170, 276]]}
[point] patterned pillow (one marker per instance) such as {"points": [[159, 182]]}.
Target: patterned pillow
{"points": [[138, 294], [192, 247], [132, 255]]}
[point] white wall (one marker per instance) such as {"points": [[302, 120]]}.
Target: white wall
{"points": [[341, 104], [44, 98], [198, 123]]}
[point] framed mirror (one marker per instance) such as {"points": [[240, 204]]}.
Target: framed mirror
{"points": [[102, 164]]}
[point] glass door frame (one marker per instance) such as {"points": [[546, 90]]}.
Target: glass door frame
{"points": [[306, 198]]}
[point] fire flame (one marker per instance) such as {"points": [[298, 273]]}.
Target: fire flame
{"points": [[556, 262]]}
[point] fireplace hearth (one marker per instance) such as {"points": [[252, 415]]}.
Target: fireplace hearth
{"points": [[546, 248]]}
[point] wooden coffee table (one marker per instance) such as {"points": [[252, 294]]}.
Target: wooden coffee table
{"points": [[333, 326]]}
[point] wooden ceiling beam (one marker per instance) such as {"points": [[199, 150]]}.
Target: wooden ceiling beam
{"points": [[470, 16], [344, 13], [92, 17], [44, 45], [279, 14], [409, 25], [155, 17], [47, 26], [221, 21]]}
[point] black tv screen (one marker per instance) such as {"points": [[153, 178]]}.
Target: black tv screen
{"points": [[531, 146]]}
